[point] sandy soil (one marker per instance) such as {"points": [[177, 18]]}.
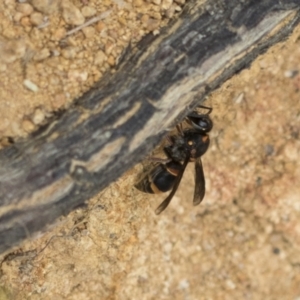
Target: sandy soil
{"points": [[242, 242]]}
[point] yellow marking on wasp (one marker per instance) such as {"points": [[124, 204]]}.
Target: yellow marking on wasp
{"points": [[154, 188], [174, 172]]}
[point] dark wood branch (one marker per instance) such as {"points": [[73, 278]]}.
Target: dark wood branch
{"points": [[114, 125]]}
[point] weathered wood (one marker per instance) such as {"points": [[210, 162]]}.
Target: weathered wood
{"points": [[114, 125]]}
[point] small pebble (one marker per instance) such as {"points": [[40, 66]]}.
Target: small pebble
{"points": [[55, 52], [152, 24], [46, 6], [12, 50], [71, 13], [3, 67], [100, 26], [89, 31], [240, 98], [156, 15], [38, 116], [36, 19], [25, 22], [88, 11], [111, 60], [138, 3], [145, 18], [30, 85], [6, 141], [291, 152], [69, 52], [18, 16], [25, 8], [113, 34], [291, 73], [27, 125], [170, 12], [59, 34], [156, 2], [58, 101], [15, 127], [166, 4], [100, 57], [109, 47], [77, 75], [41, 55]]}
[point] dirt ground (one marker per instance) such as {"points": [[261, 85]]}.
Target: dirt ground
{"points": [[242, 242]]}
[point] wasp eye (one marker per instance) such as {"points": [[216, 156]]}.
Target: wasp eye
{"points": [[202, 123]]}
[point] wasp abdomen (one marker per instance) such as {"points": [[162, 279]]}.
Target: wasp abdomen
{"points": [[161, 179]]}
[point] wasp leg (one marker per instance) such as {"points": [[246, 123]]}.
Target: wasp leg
{"points": [[180, 129], [169, 140], [205, 107]]}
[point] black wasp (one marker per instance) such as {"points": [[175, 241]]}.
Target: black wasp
{"points": [[187, 146]]}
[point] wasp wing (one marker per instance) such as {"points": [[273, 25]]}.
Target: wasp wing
{"points": [[166, 202], [199, 182]]}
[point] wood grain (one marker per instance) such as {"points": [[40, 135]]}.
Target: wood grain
{"points": [[114, 125]]}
